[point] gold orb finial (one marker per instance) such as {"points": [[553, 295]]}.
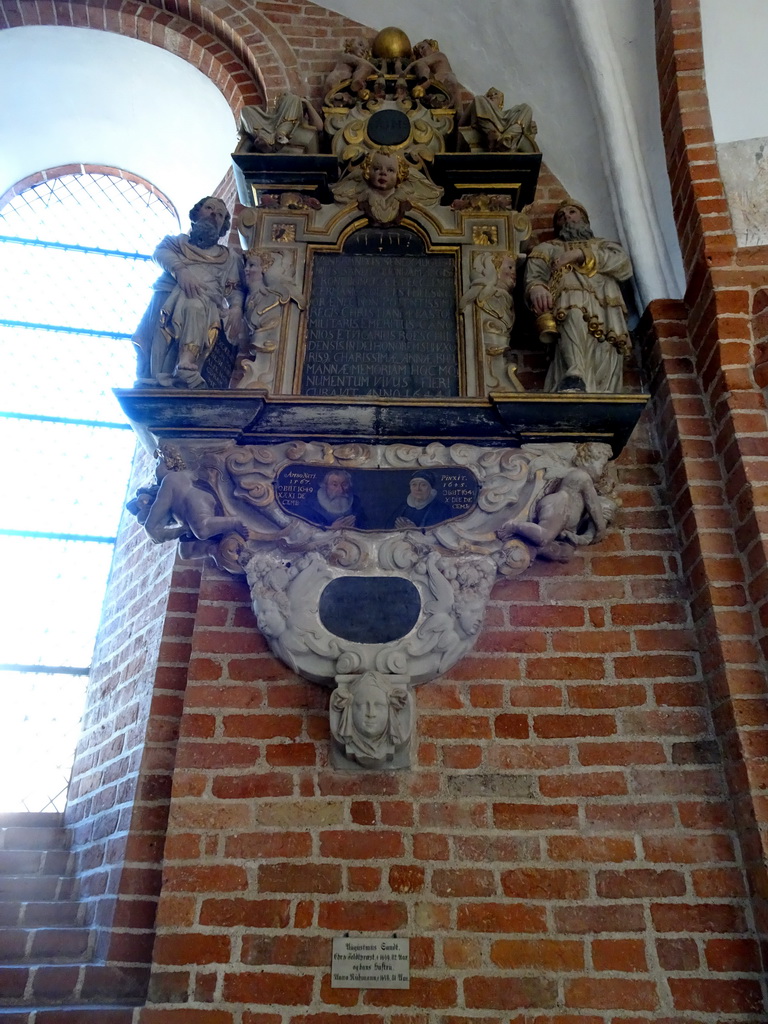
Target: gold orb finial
{"points": [[391, 42]]}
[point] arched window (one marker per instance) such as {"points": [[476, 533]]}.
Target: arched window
{"points": [[75, 275]]}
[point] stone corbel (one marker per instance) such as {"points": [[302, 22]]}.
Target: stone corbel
{"points": [[372, 718]]}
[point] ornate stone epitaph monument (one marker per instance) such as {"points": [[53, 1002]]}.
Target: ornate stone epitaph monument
{"points": [[337, 411]]}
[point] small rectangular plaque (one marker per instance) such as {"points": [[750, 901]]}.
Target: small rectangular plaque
{"points": [[370, 962]]}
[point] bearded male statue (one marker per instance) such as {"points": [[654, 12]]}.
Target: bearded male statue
{"points": [[199, 293], [572, 284]]}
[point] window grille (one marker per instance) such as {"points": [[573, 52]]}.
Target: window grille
{"points": [[75, 278]]}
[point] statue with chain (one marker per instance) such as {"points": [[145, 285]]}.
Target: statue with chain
{"points": [[572, 285]]}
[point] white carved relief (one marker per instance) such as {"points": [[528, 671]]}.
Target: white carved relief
{"points": [[323, 594]]}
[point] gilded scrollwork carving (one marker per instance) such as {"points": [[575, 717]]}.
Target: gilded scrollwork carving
{"points": [[424, 130], [414, 89], [294, 202], [482, 203]]}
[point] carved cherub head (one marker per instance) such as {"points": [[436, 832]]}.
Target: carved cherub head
{"points": [[270, 619], [384, 169], [257, 263], [261, 257], [357, 47], [425, 47], [593, 456], [370, 709], [471, 612], [506, 268]]}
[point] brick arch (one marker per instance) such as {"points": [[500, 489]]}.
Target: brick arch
{"points": [[246, 63]]}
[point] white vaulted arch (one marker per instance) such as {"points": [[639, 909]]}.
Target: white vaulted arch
{"points": [[588, 69]]}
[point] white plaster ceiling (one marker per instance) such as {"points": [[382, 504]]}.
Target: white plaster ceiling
{"points": [[586, 66]]}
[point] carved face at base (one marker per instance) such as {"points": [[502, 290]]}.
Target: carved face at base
{"points": [[383, 173], [371, 721], [257, 264], [370, 711]]}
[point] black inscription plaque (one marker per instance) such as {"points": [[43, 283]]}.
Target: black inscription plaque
{"points": [[370, 609], [388, 127], [382, 325]]}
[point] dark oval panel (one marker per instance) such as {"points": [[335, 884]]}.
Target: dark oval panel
{"points": [[388, 127], [370, 609]]}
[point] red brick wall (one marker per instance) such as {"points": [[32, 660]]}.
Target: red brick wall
{"points": [[564, 841], [120, 786], [716, 430]]}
